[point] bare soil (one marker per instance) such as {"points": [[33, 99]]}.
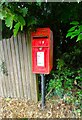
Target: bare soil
{"points": [[23, 108]]}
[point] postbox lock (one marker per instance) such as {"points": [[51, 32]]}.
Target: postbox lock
{"points": [[42, 42], [40, 48]]}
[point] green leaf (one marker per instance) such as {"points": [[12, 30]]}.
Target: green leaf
{"points": [[72, 36], [24, 11], [21, 27], [69, 34], [31, 22], [78, 110], [2, 14], [15, 17], [3, 1], [74, 23], [9, 21], [79, 37], [80, 27], [21, 20], [72, 29], [8, 99], [16, 28], [39, 4], [76, 32]]}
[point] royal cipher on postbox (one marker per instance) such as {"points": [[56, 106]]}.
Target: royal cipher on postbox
{"points": [[42, 50]]}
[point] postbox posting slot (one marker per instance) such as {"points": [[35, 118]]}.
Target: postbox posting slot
{"points": [[38, 37]]}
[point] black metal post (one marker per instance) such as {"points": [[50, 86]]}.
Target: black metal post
{"points": [[43, 90]]}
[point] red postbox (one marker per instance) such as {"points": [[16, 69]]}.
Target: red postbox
{"points": [[42, 50]]}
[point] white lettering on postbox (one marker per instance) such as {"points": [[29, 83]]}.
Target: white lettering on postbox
{"points": [[40, 59]]}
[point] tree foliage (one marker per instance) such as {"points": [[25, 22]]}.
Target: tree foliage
{"points": [[74, 31], [20, 16], [7, 13]]}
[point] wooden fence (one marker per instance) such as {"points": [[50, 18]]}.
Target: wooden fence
{"points": [[16, 78]]}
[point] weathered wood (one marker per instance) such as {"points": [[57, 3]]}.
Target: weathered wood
{"points": [[29, 69], [11, 72], [14, 67], [26, 82], [20, 81], [21, 66], [1, 75], [18, 65], [7, 77]]}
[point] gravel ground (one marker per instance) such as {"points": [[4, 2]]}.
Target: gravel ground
{"points": [[22, 108]]}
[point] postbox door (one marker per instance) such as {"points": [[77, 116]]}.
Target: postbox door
{"points": [[40, 61]]}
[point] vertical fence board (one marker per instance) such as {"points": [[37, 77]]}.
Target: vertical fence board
{"points": [[29, 69], [25, 67], [20, 82], [7, 77], [28, 91], [18, 65], [1, 75], [10, 87], [11, 72], [21, 65], [13, 66]]}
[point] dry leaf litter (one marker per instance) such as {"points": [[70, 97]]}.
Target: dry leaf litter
{"points": [[23, 108]]}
